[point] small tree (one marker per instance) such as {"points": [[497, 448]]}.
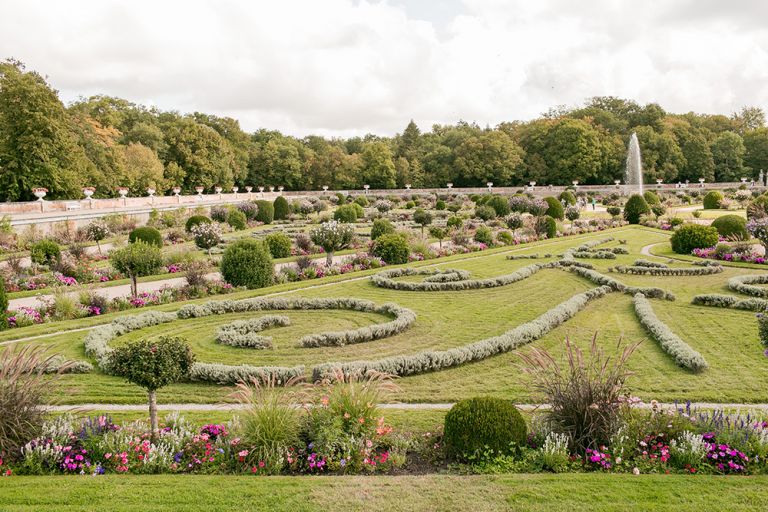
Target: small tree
{"points": [[439, 233], [247, 262], [97, 231], [422, 218], [758, 228], [153, 364], [332, 236], [207, 235], [136, 260], [635, 208]]}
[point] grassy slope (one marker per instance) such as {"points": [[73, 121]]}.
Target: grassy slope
{"points": [[540, 492], [728, 339]]}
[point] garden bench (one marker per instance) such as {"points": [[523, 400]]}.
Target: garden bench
{"points": [[73, 206]]}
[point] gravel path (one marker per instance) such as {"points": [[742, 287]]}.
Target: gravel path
{"points": [[646, 251]]}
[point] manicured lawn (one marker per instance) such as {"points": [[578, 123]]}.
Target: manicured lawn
{"points": [[726, 338], [525, 492]]}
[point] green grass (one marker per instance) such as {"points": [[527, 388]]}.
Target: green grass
{"points": [[524, 492], [726, 338]]}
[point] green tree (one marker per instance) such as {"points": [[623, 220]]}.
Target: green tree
{"points": [[136, 260], [378, 169], [756, 150], [332, 236], [728, 153], [200, 152], [422, 218], [488, 157]]}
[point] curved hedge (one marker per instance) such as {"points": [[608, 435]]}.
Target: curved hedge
{"points": [[744, 284], [242, 333], [385, 279], [646, 263], [666, 271], [729, 301], [680, 351], [603, 280]]}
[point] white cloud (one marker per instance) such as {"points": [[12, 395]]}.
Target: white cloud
{"points": [[342, 67]]}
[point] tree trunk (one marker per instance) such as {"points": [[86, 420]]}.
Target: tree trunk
{"points": [[153, 414], [99, 246], [329, 258], [134, 285]]}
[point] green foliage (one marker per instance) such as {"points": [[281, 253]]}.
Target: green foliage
{"points": [[392, 248], [237, 219], [136, 259], [635, 208], [554, 208], [153, 363], [758, 207], [358, 210], [731, 226], [713, 199], [207, 235], [381, 227], [146, 234], [409, 205], [346, 213], [361, 200], [332, 236], [281, 208], [693, 236], [247, 263], [3, 306], [499, 204], [658, 209], [266, 213], [279, 245], [484, 235], [568, 196], [422, 218], [483, 425], [484, 212], [45, 252], [439, 204], [505, 237], [194, 220], [651, 198], [546, 225], [454, 222]]}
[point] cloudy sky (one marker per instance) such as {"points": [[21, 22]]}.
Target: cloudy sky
{"points": [[345, 67]]}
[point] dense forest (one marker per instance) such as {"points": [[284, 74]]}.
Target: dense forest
{"points": [[107, 142]]}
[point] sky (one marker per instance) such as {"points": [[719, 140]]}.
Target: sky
{"points": [[351, 67]]}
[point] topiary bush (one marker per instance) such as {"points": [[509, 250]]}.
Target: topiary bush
{"points": [[554, 208], [635, 208], [499, 204], [392, 248], [440, 204], [651, 198], [485, 212], [45, 252], [266, 212], [731, 226], [281, 208], [693, 236], [568, 197], [247, 263], [613, 211], [237, 219], [712, 200], [454, 222], [422, 218], [136, 260], [147, 235], [546, 225], [381, 227], [484, 235], [346, 213], [483, 426], [361, 200], [196, 220], [279, 245]]}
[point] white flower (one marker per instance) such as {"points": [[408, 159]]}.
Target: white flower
{"points": [[636, 471]]}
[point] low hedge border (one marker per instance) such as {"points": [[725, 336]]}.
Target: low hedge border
{"points": [[603, 280], [744, 284], [670, 343], [652, 264], [660, 271], [385, 279], [729, 301], [242, 333], [597, 255]]}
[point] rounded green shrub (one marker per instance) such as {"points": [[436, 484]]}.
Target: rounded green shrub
{"points": [[454, 222], [248, 263], [546, 225], [485, 212], [279, 245], [635, 208], [440, 204], [554, 208], [651, 198], [147, 235], [484, 235], [362, 201], [196, 220], [658, 209], [281, 208], [346, 213], [45, 252], [613, 211], [392, 248], [712, 200], [358, 210], [693, 236], [409, 205], [505, 237], [266, 212], [731, 226], [237, 219], [381, 227], [478, 425], [499, 204], [567, 196]]}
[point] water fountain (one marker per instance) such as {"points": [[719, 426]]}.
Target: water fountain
{"points": [[634, 174]]}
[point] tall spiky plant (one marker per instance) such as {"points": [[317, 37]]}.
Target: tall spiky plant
{"points": [[585, 393]]}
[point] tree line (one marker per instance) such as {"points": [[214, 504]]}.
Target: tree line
{"points": [[107, 142]]}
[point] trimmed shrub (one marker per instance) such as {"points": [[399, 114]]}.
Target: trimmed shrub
{"points": [[651, 198], [658, 209], [731, 226], [219, 213], [499, 204], [514, 220], [454, 222], [440, 204], [237, 219], [279, 245], [483, 426], [346, 213], [392, 248], [745, 285], [485, 212], [147, 235], [422, 218], [242, 333], [281, 208], [546, 225], [603, 280], [207, 235], [3, 306], [660, 271], [484, 235], [693, 236], [568, 197], [332, 236], [361, 200], [381, 227], [136, 260], [572, 213], [358, 210], [713, 200], [266, 212], [196, 220], [505, 237], [635, 208], [249, 208], [45, 252], [670, 343], [554, 208], [729, 301], [613, 211], [386, 279], [247, 263]]}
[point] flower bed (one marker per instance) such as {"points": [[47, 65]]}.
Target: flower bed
{"points": [[714, 254]]}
